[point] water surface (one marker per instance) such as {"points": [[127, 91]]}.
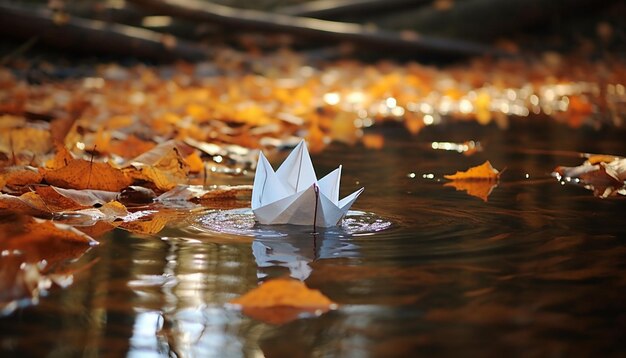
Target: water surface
{"points": [[537, 269]]}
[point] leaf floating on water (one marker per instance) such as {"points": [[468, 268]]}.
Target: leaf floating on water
{"points": [[477, 181], [482, 172], [605, 175], [281, 300]]}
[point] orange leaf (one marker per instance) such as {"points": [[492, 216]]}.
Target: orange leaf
{"points": [[163, 166], [83, 174], [62, 157], [283, 300], [482, 172], [373, 141], [194, 162], [284, 292], [29, 203], [15, 176]]}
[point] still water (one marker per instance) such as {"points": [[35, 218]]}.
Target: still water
{"points": [[537, 270]]}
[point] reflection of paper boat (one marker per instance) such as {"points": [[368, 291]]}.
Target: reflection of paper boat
{"points": [[293, 195]]}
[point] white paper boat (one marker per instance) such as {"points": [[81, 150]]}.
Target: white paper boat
{"points": [[293, 195]]}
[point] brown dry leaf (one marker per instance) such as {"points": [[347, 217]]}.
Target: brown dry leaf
{"points": [[62, 157], [478, 188], [35, 141], [28, 203], [284, 293], [130, 147], [481, 172], [83, 174], [163, 166], [56, 201], [19, 176]]}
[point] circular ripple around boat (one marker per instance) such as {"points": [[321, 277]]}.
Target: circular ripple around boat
{"points": [[241, 222]]}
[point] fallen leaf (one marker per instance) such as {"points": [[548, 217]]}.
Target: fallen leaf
{"points": [[28, 203], [481, 172], [195, 163], [19, 176], [87, 197], [163, 166], [603, 174], [284, 292], [30, 140], [83, 174], [281, 300], [62, 157]]}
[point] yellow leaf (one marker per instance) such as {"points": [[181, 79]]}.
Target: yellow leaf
{"points": [[482, 172], [163, 166], [195, 163]]}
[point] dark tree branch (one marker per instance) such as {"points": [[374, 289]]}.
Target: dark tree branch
{"points": [[370, 39], [341, 9], [94, 36]]}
